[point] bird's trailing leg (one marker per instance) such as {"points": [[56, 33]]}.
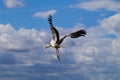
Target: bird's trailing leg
{"points": [[58, 55]]}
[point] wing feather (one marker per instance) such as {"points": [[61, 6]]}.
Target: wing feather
{"points": [[54, 31], [73, 35], [78, 34]]}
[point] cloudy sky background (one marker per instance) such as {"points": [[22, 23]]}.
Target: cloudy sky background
{"points": [[24, 32]]}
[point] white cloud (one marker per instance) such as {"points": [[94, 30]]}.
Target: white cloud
{"points": [[93, 5], [83, 56], [33, 41], [13, 3], [112, 24], [21, 41], [116, 46], [45, 14]]}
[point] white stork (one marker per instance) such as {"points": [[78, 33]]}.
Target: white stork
{"points": [[56, 41]]}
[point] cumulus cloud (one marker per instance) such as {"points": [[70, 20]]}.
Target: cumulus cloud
{"points": [[45, 14], [11, 38], [93, 5], [13, 3], [22, 41], [33, 41], [111, 25], [82, 57]]}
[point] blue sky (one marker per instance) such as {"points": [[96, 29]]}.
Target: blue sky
{"points": [[24, 32], [70, 16]]}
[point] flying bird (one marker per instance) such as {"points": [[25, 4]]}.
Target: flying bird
{"points": [[56, 40]]}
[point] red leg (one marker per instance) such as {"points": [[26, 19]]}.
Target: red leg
{"points": [[58, 55]]}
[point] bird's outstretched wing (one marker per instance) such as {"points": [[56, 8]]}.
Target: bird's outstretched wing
{"points": [[55, 33], [73, 35]]}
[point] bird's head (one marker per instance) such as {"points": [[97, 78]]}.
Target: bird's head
{"points": [[47, 46]]}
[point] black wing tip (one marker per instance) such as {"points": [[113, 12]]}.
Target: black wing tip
{"points": [[50, 19], [50, 16], [83, 32], [78, 34]]}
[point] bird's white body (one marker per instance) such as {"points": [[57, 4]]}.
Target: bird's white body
{"points": [[54, 44]]}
